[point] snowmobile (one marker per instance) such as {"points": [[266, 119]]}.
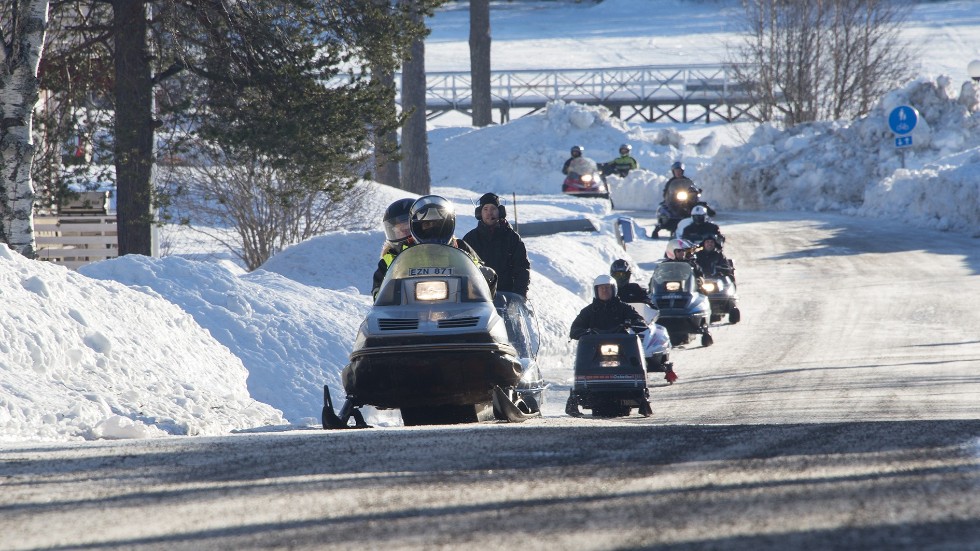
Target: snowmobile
{"points": [[655, 339], [435, 347], [722, 293], [610, 375], [684, 310], [682, 195], [584, 179]]}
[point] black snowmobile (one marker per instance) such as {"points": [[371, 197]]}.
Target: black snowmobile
{"points": [[435, 347], [610, 375], [722, 293], [684, 310]]}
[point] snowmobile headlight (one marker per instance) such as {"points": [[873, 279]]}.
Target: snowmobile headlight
{"points": [[673, 286], [587, 178], [609, 350], [710, 287], [431, 290], [682, 196]]}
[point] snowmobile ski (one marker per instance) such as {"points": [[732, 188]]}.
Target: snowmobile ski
{"points": [[332, 420], [515, 410]]}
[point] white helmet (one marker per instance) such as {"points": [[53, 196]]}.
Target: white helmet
{"points": [[604, 279], [676, 244], [699, 214]]}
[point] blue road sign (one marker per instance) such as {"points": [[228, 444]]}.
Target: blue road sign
{"points": [[902, 119], [903, 141]]}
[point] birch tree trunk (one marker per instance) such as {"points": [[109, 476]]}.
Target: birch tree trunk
{"points": [[19, 88]]}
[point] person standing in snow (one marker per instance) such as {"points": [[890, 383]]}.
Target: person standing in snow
{"points": [[499, 246]]}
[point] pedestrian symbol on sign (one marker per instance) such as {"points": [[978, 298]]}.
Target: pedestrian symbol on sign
{"points": [[902, 119]]}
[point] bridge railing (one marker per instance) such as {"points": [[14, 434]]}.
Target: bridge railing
{"points": [[516, 88]]}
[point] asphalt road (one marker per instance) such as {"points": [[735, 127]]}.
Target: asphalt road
{"points": [[843, 412]]}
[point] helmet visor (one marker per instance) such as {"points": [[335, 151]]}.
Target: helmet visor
{"points": [[398, 229]]}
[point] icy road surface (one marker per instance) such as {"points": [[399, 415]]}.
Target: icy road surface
{"points": [[843, 412]]}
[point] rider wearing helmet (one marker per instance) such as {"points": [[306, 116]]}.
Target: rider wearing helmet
{"points": [[621, 271], [398, 237], [576, 152], [677, 180], [700, 228], [432, 220], [623, 164], [679, 250], [628, 291], [606, 312], [711, 260]]}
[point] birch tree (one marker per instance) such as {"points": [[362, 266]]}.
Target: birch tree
{"points": [[23, 24]]}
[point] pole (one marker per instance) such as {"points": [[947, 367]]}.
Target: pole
{"points": [[513, 199]]}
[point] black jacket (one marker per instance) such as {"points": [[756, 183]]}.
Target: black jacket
{"points": [[699, 232], [605, 316], [633, 292], [502, 249], [713, 263]]}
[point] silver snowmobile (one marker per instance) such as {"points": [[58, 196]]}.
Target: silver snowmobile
{"points": [[684, 310], [435, 347]]}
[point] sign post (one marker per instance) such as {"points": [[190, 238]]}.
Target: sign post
{"points": [[902, 120]]}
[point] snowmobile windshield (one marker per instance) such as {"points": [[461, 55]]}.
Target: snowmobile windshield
{"points": [[519, 319], [666, 272], [433, 262], [582, 165], [680, 184]]}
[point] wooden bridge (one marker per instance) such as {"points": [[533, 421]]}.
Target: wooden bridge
{"points": [[656, 93]]}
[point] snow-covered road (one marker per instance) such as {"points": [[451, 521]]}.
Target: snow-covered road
{"points": [[842, 412]]}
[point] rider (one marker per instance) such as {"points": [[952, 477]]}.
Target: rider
{"points": [[627, 291], [623, 164], [499, 246], [398, 237], [701, 227], [633, 292], [432, 220], [677, 173], [679, 250], [712, 260], [576, 152], [607, 313]]}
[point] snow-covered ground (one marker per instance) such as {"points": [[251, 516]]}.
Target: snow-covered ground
{"points": [[141, 347]]}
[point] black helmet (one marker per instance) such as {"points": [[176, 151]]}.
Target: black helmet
{"points": [[620, 271], [677, 165], [397, 221], [625, 148], [433, 220], [577, 150]]}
